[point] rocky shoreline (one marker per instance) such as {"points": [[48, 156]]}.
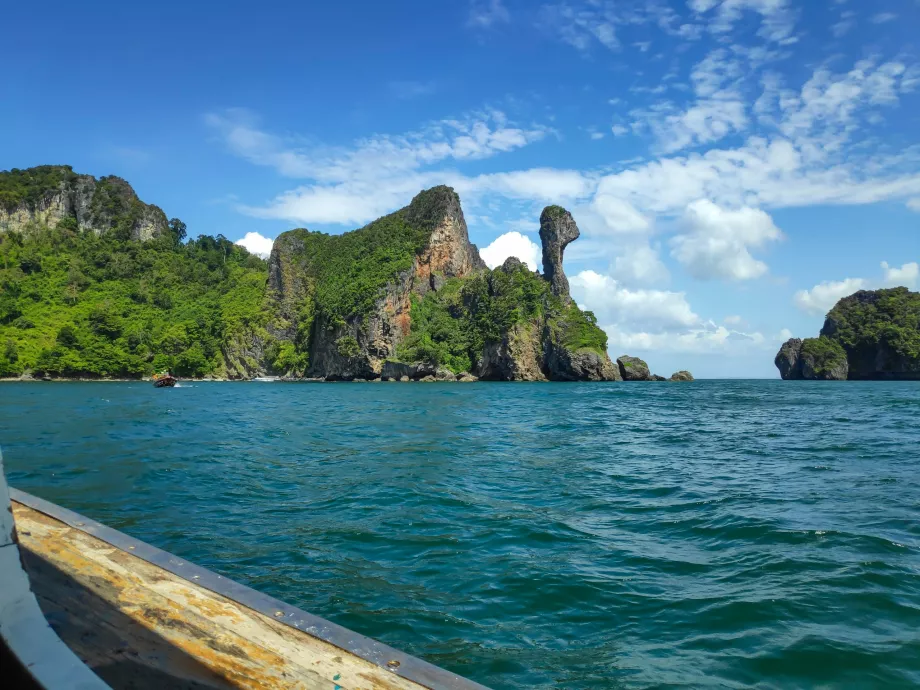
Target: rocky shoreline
{"points": [[629, 368]]}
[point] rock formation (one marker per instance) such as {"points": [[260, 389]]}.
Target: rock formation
{"points": [[48, 195], [444, 251], [509, 324], [812, 359], [872, 334], [557, 231], [787, 359], [633, 369], [681, 375]]}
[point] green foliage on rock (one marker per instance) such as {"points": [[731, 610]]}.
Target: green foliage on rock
{"points": [[32, 185], [865, 320], [825, 355], [348, 272], [347, 346], [82, 304], [451, 327]]}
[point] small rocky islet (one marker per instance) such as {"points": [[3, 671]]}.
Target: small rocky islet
{"points": [[98, 284], [870, 335]]}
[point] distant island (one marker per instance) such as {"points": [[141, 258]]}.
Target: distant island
{"points": [[870, 335], [98, 284]]}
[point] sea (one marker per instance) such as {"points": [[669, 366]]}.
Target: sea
{"points": [[714, 534]]}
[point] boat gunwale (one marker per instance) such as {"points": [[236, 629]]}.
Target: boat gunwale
{"points": [[409, 667]]}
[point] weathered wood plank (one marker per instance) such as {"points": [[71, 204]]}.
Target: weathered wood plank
{"points": [[140, 626]]}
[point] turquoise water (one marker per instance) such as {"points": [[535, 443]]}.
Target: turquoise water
{"points": [[720, 533]]}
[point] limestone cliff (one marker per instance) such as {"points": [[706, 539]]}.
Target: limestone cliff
{"points": [[48, 195], [557, 231], [409, 296], [345, 300]]}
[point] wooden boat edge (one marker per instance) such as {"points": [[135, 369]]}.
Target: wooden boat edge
{"points": [[368, 649], [32, 654]]}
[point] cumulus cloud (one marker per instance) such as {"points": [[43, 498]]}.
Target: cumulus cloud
{"points": [[512, 244], [640, 265], [614, 304], [618, 215], [256, 244], [820, 298], [717, 241], [825, 295], [906, 275]]}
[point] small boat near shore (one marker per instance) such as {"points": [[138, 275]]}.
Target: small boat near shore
{"points": [[84, 607], [164, 380]]}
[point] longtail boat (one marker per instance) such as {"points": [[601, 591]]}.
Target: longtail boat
{"points": [[165, 380], [85, 607]]}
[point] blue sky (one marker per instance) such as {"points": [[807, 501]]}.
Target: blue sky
{"points": [[735, 166]]}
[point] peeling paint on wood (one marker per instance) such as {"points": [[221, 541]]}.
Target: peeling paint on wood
{"points": [[140, 626]]}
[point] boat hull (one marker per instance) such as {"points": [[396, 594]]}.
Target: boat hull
{"points": [[142, 618]]}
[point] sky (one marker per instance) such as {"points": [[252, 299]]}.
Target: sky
{"points": [[734, 166]]}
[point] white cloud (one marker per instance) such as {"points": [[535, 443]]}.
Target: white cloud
{"points": [[256, 244], [619, 130], [640, 265], [380, 173], [615, 304], [906, 275], [619, 216], [914, 204], [584, 24], [703, 339], [717, 241], [597, 135], [733, 320], [777, 18], [512, 244], [719, 109], [485, 13], [883, 17], [540, 184], [823, 296]]}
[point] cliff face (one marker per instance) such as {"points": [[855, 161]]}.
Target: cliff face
{"points": [[411, 288], [48, 195], [419, 247], [870, 335]]}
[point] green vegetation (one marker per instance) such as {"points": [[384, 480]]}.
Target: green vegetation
{"points": [[827, 355], [81, 304], [348, 346], [554, 211], [32, 185], [450, 327], [889, 317], [349, 271]]}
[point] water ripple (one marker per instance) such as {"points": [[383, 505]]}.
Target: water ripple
{"points": [[730, 534]]}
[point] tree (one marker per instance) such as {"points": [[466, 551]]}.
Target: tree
{"points": [[177, 228], [67, 336]]}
